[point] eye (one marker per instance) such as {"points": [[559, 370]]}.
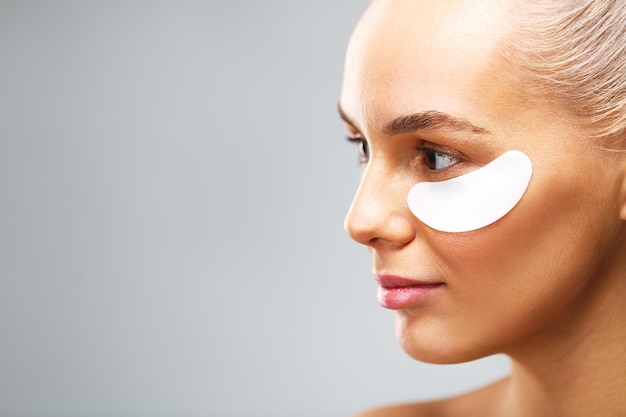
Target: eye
{"points": [[437, 160], [364, 148]]}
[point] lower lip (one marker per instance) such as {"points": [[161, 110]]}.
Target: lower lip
{"points": [[396, 298]]}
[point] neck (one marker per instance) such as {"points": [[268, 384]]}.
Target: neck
{"points": [[577, 367]]}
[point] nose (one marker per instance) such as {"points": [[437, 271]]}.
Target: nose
{"points": [[379, 214]]}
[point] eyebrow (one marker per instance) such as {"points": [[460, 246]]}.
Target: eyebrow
{"points": [[345, 117], [426, 120], [430, 120]]}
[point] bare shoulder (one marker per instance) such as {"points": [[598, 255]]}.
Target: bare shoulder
{"points": [[476, 403], [427, 409]]}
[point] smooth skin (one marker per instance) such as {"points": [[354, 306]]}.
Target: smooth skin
{"points": [[546, 284]]}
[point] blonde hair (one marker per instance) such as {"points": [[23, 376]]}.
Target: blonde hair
{"points": [[574, 51]]}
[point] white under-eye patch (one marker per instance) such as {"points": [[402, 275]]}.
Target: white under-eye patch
{"points": [[474, 200]]}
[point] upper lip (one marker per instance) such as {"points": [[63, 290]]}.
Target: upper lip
{"points": [[393, 281]]}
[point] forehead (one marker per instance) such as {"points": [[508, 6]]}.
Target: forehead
{"points": [[413, 55]]}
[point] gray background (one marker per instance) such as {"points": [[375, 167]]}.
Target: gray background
{"points": [[173, 181]]}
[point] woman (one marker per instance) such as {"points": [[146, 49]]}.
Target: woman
{"points": [[521, 104]]}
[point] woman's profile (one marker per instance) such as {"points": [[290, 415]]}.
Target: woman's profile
{"points": [[492, 136]]}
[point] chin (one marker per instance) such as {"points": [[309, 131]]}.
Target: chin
{"points": [[437, 346], [439, 355]]}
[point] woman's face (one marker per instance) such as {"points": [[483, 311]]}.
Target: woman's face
{"points": [[510, 283]]}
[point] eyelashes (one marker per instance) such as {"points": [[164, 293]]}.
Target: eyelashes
{"points": [[364, 148], [434, 158], [437, 160]]}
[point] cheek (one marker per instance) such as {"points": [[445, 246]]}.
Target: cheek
{"points": [[517, 252], [498, 295], [519, 272], [555, 229], [483, 258]]}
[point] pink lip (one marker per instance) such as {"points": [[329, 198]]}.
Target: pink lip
{"points": [[396, 293]]}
